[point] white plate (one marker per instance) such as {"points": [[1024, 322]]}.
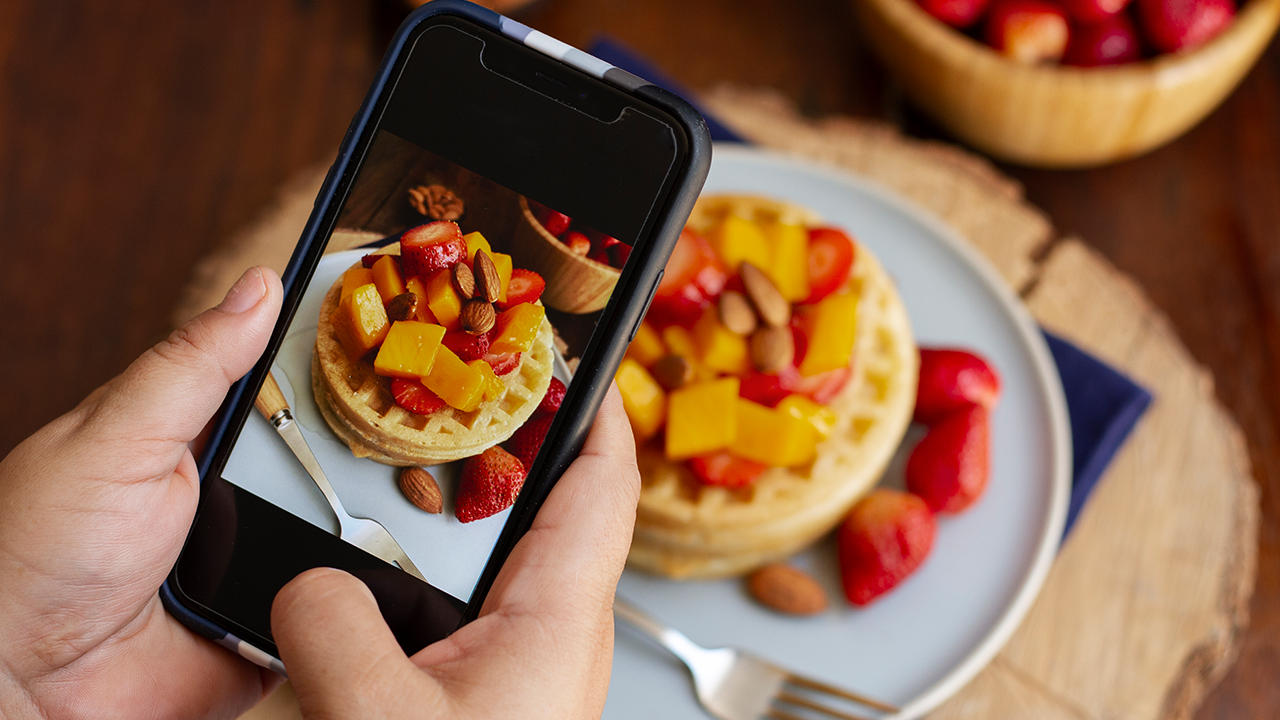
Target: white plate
{"points": [[919, 644]]}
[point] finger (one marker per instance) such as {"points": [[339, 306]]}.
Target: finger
{"points": [[171, 391], [339, 652]]}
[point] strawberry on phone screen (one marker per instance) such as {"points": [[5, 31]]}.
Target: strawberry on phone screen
{"points": [[525, 286], [434, 246], [413, 396], [830, 260]]}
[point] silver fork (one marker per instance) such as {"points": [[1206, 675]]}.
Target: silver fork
{"points": [[368, 535], [733, 685]]}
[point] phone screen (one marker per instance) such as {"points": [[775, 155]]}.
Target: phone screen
{"points": [[479, 170]]}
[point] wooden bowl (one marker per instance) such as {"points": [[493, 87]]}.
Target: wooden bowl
{"points": [[1058, 116], [574, 284]]}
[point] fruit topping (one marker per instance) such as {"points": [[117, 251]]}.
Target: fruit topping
{"points": [[830, 260], [352, 279], [431, 247], [517, 328], [554, 222], [787, 589], [702, 417], [466, 346], [788, 266], [642, 398], [693, 278], [884, 539], [816, 414], [951, 380], [527, 440], [737, 240], [457, 383], [831, 328], [1028, 31], [503, 363], [647, 346], [409, 350], [526, 286], [769, 389], [823, 387], [360, 322], [413, 396], [493, 386], [422, 311], [553, 397], [443, 299], [488, 485], [386, 275], [950, 466], [475, 242], [722, 469], [718, 347], [772, 436]]}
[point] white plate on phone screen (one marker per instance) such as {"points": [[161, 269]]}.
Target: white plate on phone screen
{"points": [[919, 644]]}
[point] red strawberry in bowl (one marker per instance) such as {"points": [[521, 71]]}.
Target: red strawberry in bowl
{"points": [[956, 13], [1173, 25], [884, 539], [1108, 41], [1028, 31], [488, 485]]}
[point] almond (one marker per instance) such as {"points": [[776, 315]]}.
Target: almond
{"points": [[774, 309], [736, 313], [463, 281], [477, 316], [402, 307], [787, 590], [772, 348], [488, 283], [672, 371], [420, 487]]}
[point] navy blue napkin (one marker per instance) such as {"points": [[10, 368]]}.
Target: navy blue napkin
{"points": [[1104, 405]]}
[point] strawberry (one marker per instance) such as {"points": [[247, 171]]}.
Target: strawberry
{"points": [[769, 389], [413, 396], [824, 386], [950, 466], [553, 398], [466, 346], [489, 484], [693, 278], [618, 254], [956, 13], [724, 470], [830, 260], [367, 261], [1105, 42], [1028, 31], [434, 246], [1091, 11], [885, 537], [554, 222], [1173, 25], [503, 363], [599, 254], [526, 441], [577, 243], [525, 286], [952, 379]]}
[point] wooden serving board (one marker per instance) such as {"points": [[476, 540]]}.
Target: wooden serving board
{"points": [[1141, 612]]}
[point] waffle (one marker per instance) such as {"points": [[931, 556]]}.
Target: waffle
{"points": [[685, 529], [359, 408]]}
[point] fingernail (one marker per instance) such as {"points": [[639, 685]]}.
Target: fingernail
{"points": [[246, 293]]}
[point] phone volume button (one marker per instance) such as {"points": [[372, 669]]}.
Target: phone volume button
{"points": [[652, 291]]}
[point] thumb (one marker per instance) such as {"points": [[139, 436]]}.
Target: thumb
{"points": [[342, 659], [171, 391]]}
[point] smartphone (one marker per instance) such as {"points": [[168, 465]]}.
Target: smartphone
{"points": [[494, 226]]}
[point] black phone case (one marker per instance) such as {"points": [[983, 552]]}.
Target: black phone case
{"points": [[616, 326]]}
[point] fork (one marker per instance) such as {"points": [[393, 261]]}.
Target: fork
{"points": [[368, 535], [733, 685]]}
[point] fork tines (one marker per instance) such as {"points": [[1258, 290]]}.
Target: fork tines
{"points": [[808, 706]]}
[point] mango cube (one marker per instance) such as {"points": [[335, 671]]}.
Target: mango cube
{"points": [[360, 321], [679, 341], [457, 383], [737, 239], [408, 350], [720, 348], [642, 398], [386, 275], [702, 417], [503, 265], [832, 327], [443, 300], [821, 417], [352, 279], [788, 266], [493, 385], [423, 312], [773, 437], [475, 241], [517, 328], [647, 346]]}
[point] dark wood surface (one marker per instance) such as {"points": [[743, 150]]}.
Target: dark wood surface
{"points": [[136, 137]]}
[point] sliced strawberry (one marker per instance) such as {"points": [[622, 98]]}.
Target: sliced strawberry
{"points": [[886, 536], [724, 470], [800, 339], [949, 468], [554, 222], [413, 396], [488, 485], [367, 261], [527, 440], [951, 379], [769, 389], [577, 243], [830, 260], [466, 346], [526, 286], [434, 246], [693, 278], [553, 398], [824, 386], [503, 363], [599, 255]]}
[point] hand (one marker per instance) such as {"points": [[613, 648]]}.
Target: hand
{"points": [[94, 509], [543, 644]]}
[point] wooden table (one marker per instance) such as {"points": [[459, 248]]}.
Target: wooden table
{"points": [[137, 137]]}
